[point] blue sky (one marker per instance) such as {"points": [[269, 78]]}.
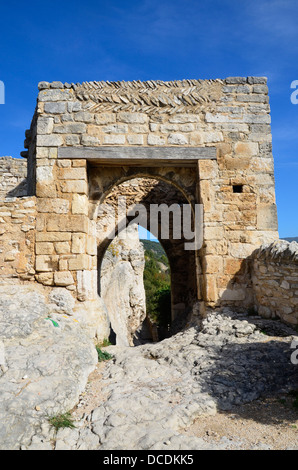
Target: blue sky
{"points": [[167, 40]]}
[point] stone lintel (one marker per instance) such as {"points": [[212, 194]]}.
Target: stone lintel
{"points": [[182, 156]]}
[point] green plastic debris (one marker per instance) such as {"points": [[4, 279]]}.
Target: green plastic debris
{"points": [[54, 322]]}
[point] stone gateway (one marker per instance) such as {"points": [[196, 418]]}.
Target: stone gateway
{"points": [[188, 142]]}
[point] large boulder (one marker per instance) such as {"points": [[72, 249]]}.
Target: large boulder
{"points": [[122, 286]]}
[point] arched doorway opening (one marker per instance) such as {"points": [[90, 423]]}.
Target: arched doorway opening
{"points": [[143, 194], [157, 285]]}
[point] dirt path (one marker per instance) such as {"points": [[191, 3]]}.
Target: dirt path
{"points": [[269, 423]]}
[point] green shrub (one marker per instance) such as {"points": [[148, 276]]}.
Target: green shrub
{"points": [[104, 343], [103, 355]]}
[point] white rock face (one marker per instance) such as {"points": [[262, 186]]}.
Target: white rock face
{"points": [[46, 358], [122, 287]]}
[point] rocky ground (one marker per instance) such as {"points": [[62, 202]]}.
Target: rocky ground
{"points": [[46, 357], [224, 386]]}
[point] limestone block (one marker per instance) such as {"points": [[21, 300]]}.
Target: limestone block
{"points": [[129, 118], [235, 294], [66, 117], [71, 128], [196, 138], [63, 278], [114, 139], [138, 129], [267, 217], [247, 149], [213, 233], [45, 125], [135, 139], [44, 174], [46, 263], [62, 223], [79, 204], [186, 127], [72, 174], [64, 163], [115, 129], [47, 279], [241, 250], [53, 236], [89, 140], [55, 95], [62, 248], [237, 162], [232, 266], [55, 108], [56, 205], [49, 141], [87, 284], [91, 247], [77, 163], [44, 248], [167, 127], [84, 116], [177, 139], [212, 264], [211, 291], [79, 263], [74, 186], [105, 118], [205, 196], [155, 140], [262, 89], [78, 243], [257, 119], [73, 107], [184, 118], [72, 140], [208, 169]]}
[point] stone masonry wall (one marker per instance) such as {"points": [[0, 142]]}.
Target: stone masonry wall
{"points": [[275, 281], [237, 189], [17, 223], [17, 239], [13, 174]]}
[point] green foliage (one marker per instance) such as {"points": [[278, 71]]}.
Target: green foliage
{"points": [[155, 249], [103, 355], [62, 421], [157, 283], [104, 343]]}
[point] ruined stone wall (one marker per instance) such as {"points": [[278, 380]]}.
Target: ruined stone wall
{"points": [[13, 177], [17, 223], [237, 189], [275, 281], [17, 239]]}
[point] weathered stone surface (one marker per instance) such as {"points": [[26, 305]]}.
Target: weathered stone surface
{"points": [[46, 367], [275, 280], [122, 287], [154, 391]]}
